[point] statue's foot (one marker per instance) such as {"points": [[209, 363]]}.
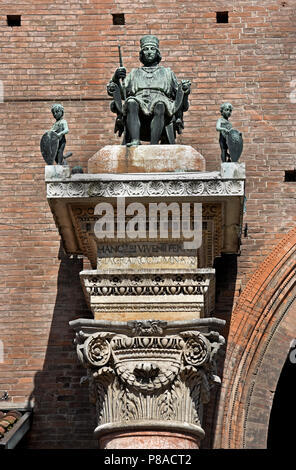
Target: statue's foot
{"points": [[133, 143]]}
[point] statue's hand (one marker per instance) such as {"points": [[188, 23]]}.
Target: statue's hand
{"points": [[186, 84], [120, 73], [111, 87]]}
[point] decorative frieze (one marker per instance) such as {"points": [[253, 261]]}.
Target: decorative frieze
{"points": [[144, 292], [146, 377], [146, 284], [163, 188]]}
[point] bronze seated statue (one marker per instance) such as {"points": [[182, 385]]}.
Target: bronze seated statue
{"points": [[149, 101]]}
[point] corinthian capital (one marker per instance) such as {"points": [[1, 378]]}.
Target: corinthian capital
{"points": [[147, 377]]}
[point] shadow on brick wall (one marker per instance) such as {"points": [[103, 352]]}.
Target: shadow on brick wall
{"points": [[226, 274], [63, 417]]}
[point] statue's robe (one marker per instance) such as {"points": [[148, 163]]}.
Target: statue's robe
{"points": [[151, 85]]}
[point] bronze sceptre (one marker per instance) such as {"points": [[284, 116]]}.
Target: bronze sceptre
{"points": [[122, 89]]}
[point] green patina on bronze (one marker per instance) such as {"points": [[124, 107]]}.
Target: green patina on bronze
{"points": [[149, 101], [53, 142], [230, 140]]}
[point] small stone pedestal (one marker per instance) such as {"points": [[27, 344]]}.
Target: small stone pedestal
{"points": [[146, 159]]}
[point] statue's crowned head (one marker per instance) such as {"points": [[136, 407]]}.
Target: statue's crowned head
{"points": [[149, 40]]}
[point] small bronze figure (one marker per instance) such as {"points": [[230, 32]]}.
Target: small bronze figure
{"points": [[230, 140], [153, 100], [53, 142], [60, 127]]}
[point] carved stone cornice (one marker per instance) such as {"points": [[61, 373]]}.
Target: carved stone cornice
{"points": [[168, 187], [145, 283], [149, 374], [124, 292]]}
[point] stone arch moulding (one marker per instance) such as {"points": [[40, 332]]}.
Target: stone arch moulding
{"points": [[262, 327]]}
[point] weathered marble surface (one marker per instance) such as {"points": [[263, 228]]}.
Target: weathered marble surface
{"points": [[146, 159]]}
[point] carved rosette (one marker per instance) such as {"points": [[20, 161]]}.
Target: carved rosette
{"points": [[147, 379]]}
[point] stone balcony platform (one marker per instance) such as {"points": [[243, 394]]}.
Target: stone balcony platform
{"points": [[72, 199]]}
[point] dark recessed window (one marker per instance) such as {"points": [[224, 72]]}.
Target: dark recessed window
{"points": [[14, 20], [118, 18], [222, 16], [290, 175]]}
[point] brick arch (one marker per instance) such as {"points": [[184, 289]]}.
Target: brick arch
{"points": [[262, 327]]}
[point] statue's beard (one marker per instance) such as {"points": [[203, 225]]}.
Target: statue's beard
{"points": [[149, 62]]}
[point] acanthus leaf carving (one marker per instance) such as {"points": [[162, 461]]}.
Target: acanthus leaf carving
{"points": [[153, 377]]}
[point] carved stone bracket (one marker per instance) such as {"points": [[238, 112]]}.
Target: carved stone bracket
{"points": [[73, 198], [144, 374]]}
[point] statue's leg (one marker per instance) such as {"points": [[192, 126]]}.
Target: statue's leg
{"points": [[60, 154], [133, 121], [223, 154], [157, 123], [223, 146]]}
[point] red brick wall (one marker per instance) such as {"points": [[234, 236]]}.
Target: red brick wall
{"points": [[66, 52], [262, 330]]}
